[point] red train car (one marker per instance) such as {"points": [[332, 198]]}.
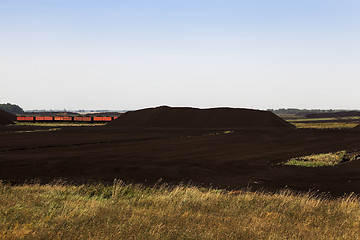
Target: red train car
{"points": [[98, 119], [102, 119], [78, 119], [107, 119], [39, 118], [20, 119], [87, 119], [82, 119], [44, 119], [63, 119], [29, 119]]}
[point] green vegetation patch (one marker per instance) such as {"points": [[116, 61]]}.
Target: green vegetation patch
{"points": [[37, 130], [323, 159], [325, 125]]}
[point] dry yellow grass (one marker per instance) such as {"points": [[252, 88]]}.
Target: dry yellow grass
{"points": [[325, 125], [318, 160], [135, 212], [322, 123]]}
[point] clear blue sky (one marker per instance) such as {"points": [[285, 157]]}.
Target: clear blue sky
{"points": [[130, 54]]}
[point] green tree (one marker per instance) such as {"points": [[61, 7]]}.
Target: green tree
{"points": [[11, 108]]}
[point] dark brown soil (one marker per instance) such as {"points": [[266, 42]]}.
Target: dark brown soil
{"points": [[6, 118], [233, 160], [184, 117]]}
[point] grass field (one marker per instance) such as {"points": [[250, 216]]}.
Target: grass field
{"points": [[301, 119], [136, 212], [322, 123], [325, 125]]}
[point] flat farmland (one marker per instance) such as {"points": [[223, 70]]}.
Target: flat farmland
{"points": [[225, 158]]}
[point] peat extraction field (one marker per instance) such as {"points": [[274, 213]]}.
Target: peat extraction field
{"points": [[231, 158]]}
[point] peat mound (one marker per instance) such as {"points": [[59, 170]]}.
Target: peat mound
{"points": [[6, 118], [334, 114], [186, 117]]}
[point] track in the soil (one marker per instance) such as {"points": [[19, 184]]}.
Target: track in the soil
{"points": [[238, 159]]}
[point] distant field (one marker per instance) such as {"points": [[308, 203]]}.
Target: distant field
{"points": [[322, 123], [136, 212]]}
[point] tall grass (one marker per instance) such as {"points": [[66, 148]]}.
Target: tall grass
{"points": [[183, 212]]}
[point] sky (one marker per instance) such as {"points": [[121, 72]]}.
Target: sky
{"points": [[132, 54]]}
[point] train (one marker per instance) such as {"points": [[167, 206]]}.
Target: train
{"points": [[64, 119]]}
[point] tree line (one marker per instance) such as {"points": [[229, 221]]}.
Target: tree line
{"points": [[11, 108]]}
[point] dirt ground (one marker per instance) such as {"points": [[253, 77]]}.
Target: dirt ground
{"points": [[6, 118], [233, 160]]}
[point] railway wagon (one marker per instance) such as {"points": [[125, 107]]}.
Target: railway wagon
{"points": [[64, 119], [25, 119], [102, 119], [82, 119], [44, 118]]}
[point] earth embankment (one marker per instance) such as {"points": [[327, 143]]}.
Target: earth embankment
{"points": [[6, 118], [186, 117]]}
